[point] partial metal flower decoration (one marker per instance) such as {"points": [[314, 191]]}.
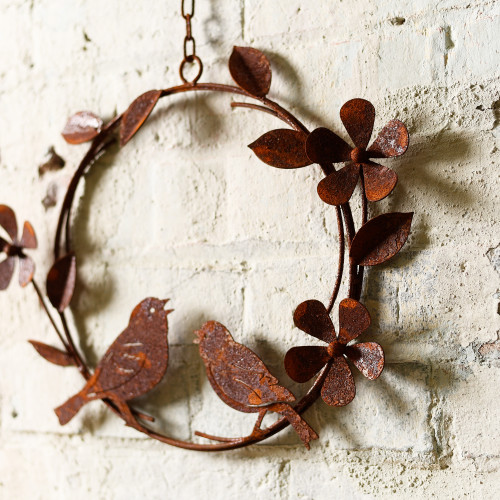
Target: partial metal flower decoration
{"points": [[324, 146], [302, 363], [15, 249]]}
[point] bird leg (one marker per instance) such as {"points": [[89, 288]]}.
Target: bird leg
{"points": [[125, 411], [257, 431]]}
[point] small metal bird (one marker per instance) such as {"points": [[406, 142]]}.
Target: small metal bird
{"points": [[242, 380], [134, 363]]}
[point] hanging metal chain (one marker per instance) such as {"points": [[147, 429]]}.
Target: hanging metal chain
{"points": [[189, 46]]}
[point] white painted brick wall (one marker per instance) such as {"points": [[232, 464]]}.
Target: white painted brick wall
{"points": [[186, 211]]}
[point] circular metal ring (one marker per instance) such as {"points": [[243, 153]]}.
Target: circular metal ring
{"points": [[191, 60]]}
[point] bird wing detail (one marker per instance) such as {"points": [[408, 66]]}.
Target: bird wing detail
{"points": [[121, 364]]}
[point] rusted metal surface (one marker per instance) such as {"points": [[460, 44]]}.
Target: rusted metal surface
{"points": [[82, 127], [61, 281], [136, 114], [302, 363], [189, 46], [138, 358], [133, 365], [282, 148], [324, 146], [251, 70], [14, 250], [381, 238], [52, 354], [243, 382]]}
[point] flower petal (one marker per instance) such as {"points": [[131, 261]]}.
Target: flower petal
{"points": [[358, 116], [324, 146], [337, 188], [312, 317], [28, 239], [368, 357], [392, 141], [6, 272], [302, 363], [339, 388], [26, 270], [354, 319], [8, 221], [379, 181]]}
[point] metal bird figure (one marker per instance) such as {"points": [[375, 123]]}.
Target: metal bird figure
{"points": [[242, 380], [134, 363]]}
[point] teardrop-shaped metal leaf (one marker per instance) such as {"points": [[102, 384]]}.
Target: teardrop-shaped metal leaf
{"points": [[312, 317], [354, 319], [303, 362], [379, 181], [381, 238], [26, 270], [324, 146], [358, 116], [251, 70], [339, 388], [337, 188], [61, 282], [81, 127], [392, 141], [8, 221], [52, 354], [368, 357], [28, 239], [136, 114], [282, 148]]}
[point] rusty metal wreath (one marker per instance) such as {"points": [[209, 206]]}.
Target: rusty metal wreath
{"points": [[137, 360]]}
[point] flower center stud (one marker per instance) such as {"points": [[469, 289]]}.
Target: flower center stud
{"points": [[13, 250], [335, 348], [358, 155]]}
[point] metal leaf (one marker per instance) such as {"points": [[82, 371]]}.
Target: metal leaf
{"points": [[8, 221], [312, 317], [368, 357], [354, 319], [302, 363], [324, 146], [339, 388], [379, 181], [82, 127], [6, 272], [381, 238], [358, 116], [28, 239], [52, 354], [61, 282], [392, 141], [251, 70], [26, 270], [136, 114], [337, 188], [282, 148]]}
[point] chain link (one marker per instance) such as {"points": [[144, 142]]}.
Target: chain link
{"points": [[189, 46]]}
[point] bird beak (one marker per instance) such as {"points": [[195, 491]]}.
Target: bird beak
{"points": [[163, 302], [197, 340]]}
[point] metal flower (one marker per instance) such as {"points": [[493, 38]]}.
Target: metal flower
{"points": [[324, 146], [15, 249], [302, 363]]}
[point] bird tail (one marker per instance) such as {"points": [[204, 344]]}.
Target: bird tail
{"points": [[302, 428], [68, 410]]}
